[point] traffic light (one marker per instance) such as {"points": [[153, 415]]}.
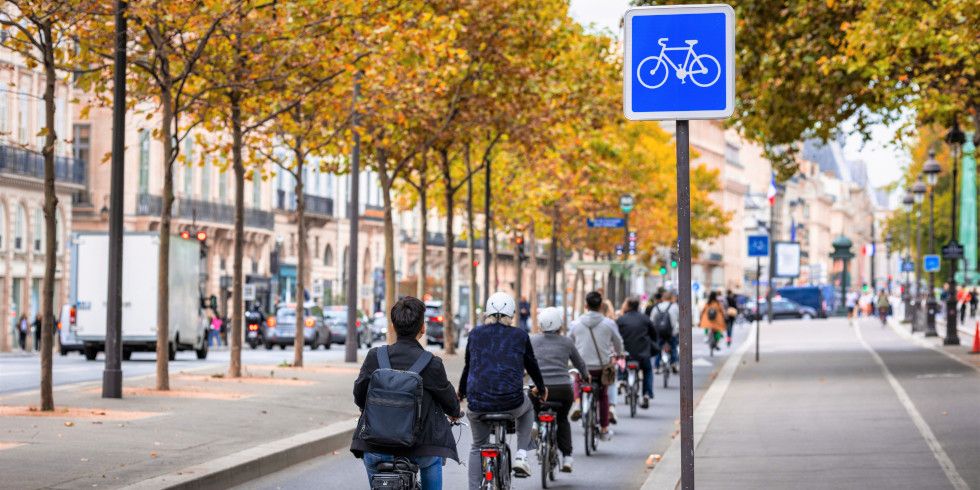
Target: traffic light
{"points": [[673, 259], [519, 241], [186, 235], [663, 271]]}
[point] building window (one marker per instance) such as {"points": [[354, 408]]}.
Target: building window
{"points": [[20, 225], [61, 123], [59, 232], [256, 190], [206, 181], [4, 114], [144, 174], [328, 256], [222, 186], [731, 154], [40, 123], [38, 229], [189, 166], [23, 108], [3, 227], [316, 247]]}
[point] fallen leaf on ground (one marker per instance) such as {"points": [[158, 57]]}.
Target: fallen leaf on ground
{"points": [[69, 424], [153, 455]]}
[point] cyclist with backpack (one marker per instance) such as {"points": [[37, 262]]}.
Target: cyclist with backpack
{"points": [[666, 321], [554, 351], [640, 341], [406, 401], [497, 355]]}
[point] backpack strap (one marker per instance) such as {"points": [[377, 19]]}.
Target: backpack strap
{"points": [[421, 362], [383, 361]]}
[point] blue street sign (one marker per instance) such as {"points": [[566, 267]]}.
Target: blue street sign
{"points": [[908, 266], [679, 62], [605, 222], [758, 245], [930, 263]]}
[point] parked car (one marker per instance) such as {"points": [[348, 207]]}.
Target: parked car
{"points": [[68, 340], [781, 308], [336, 319], [379, 326], [434, 325], [807, 296], [281, 329]]}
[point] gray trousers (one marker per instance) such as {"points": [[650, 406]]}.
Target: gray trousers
{"points": [[481, 434]]}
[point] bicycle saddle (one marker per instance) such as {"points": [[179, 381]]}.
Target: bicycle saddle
{"points": [[691, 42], [496, 417]]}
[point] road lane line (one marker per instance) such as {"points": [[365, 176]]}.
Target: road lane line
{"points": [[937, 449], [667, 473]]}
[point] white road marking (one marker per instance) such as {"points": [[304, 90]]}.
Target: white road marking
{"points": [[937, 449]]}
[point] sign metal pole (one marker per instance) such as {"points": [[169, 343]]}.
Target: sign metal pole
{"points": [[758, 322], [684, 288]]}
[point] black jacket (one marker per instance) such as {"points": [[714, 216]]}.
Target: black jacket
{"points": [[438, 400], [639, 336]]}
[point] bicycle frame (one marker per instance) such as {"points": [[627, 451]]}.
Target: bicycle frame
{"points": [[679, 71], [493, 457]]}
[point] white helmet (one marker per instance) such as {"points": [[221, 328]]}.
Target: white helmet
{"points": [[500, 303], [549, 319]]}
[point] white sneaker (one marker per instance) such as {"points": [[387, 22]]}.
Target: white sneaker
{"points": [[607, 435], [521, 468], [566, 464]]}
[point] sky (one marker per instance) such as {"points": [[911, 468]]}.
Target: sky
{"points": [[885, 162]]}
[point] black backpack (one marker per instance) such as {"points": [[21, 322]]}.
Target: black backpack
{"points": [[393, 411], [661, 322]]}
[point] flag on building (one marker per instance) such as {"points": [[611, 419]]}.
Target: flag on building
{"points": [[771, 195]]}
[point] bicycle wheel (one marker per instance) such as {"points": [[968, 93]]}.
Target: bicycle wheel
{"points": [[709, 70], [632, 394], [588, 430], [666, 371], [553, 442], [595, 425], [652, 72], [545, 462]]}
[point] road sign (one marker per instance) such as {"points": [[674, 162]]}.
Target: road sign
{"points": [[787, 255], [930, 263], [908, 266], [953, 250], [248, 292], [605, 222], [758, 245], [626, 203], [679, 62]]}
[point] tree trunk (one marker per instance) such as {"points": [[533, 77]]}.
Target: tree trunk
{"points": [[389, 235], [493, 259], [423, 235], [577, 293], [448, 331], [470, 231], [235, 363], [163, 259], [553, 259], [299, 339], [518, 274], [50, 231], [533, 242]]}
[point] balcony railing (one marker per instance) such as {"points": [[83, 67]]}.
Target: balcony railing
{"points": [[315, 205], [31, 163], [195, 209]]}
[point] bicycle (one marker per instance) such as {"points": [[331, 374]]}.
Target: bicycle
{"points": [[547, 422], [400, 473], [495, 457], [590, 418], [694, 64], [632, 385]]}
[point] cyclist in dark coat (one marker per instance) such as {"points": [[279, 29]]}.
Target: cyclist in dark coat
{"points": [[640, 341], [436, 442]]}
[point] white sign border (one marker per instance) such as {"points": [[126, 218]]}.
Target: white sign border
{"points": [[777, 269], [729, 109]]}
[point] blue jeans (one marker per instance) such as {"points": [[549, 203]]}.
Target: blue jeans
{"points": [[214, 338], [430, 468], [647, 369], [673, 351]]}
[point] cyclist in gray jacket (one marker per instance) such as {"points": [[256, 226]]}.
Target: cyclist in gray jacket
{"points": [[597, 340], [554, 351]]}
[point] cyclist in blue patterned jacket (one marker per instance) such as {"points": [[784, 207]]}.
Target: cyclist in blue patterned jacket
{"points": [[497, 355]]}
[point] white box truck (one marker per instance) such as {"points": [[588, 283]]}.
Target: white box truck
{"points": [[90, 285]]}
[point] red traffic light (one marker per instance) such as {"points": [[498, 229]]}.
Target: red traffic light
{"points": [[201, 236], [476, 263], [519, 240], [186, 235]]}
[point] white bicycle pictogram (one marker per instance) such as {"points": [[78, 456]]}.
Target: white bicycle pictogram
{"points": [[651, 76]]}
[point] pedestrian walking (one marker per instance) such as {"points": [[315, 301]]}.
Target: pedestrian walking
{"points": [[713, 320], [214, 332], [731, 313], [37, 332], [524, 314], [22, 328], [962, 300], [973, 303]]}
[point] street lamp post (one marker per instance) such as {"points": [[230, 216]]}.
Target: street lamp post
{"points": [[955, 138], [931, 170], [907, 202], [918, 194]]}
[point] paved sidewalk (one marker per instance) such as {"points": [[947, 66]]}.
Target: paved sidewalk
{"points": [[91, 441], [835, 406]]}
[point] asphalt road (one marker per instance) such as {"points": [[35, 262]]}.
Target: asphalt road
{"points": [[20, 372], [619, 463]]}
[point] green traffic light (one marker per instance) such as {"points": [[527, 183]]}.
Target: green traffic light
{"points": [[663, 271], [673, 264]]}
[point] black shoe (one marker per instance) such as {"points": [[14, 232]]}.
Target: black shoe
{"points": [[645, 404]]}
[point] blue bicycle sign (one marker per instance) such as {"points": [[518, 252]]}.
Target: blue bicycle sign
{"points": [[679, 62], [704, 70]]}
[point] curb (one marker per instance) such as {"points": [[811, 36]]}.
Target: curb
{"points": [[262, 460], [667, 473]]}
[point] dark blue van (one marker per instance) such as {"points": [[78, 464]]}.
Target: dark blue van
{"points": [[807, 296]]}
